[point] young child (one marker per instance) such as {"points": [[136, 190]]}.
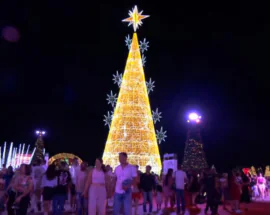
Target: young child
{"points": [[255, 191], [159, 197]]}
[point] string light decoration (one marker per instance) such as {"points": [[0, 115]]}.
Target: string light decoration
{"points": [[194, 157], [132, 128]]}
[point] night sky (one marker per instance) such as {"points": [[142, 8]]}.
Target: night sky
{"points": [[203, 56]]}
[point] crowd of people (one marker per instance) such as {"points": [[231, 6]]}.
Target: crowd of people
{"points": [[92, 191]]}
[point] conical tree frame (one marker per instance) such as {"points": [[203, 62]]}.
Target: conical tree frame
{"points": [[132, 128]]}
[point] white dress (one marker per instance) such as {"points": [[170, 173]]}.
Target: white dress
{"points": [[97, 194]]}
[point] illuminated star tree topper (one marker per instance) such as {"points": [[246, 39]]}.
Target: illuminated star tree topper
{"points": [[135, 18]]}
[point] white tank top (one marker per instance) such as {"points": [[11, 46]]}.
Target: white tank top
{"points": [[98, 177]]}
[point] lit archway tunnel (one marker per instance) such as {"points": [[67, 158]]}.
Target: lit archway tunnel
{"points": [[67, 157]]}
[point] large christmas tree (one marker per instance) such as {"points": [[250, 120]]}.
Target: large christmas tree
{"points": [[132, 127], [39, 152], [194, 157]]}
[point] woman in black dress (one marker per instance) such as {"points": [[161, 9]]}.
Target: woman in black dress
{"points": [[194, 188], [245, 196]]}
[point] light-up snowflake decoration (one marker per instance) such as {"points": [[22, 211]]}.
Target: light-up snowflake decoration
{"points": [[150, 85], [112, 98], [156, 116], [161, 135], [144, 45], [128, 41], [117, 78], [108, 118], [143, 60]]}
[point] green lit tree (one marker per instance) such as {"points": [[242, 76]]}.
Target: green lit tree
{"points": [[194, 157], [39, 153]]}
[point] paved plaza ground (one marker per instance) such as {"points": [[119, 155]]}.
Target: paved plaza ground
{"points": [[254, 208]]}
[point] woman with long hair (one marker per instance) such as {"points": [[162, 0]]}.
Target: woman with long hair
{"points": [[245, 196], [48, 182], [168, 183], [261, 185], [8, 176], [96, 189], [225, 190], [11, 192], [24, 186], [194, 188]]}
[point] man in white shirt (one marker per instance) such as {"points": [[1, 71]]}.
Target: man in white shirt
{"points": [[37, 173], [180, 180], [44, 165], [73, 172], [125, 176], [81, 176]]}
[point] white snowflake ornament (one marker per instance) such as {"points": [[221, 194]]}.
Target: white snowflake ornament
{"points": [[117, 79], [156, 115], [128, 41], [150, 85], [144, 45], [112, 98], [108, 118], [143, 60], [161, 135]]}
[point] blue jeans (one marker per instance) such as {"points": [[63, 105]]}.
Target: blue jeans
{"points": [[58, 204], [122, 199], [147, 197], [180, 195], [81, 204]]}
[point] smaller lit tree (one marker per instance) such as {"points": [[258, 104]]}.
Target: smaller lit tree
{"points": [[194, 157], [39, 153]]}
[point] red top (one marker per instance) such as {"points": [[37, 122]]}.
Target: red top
{"points": [[235, 189]]}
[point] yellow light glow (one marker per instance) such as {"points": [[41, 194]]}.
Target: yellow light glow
{"points": [[63, 156], [132, 128]]}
